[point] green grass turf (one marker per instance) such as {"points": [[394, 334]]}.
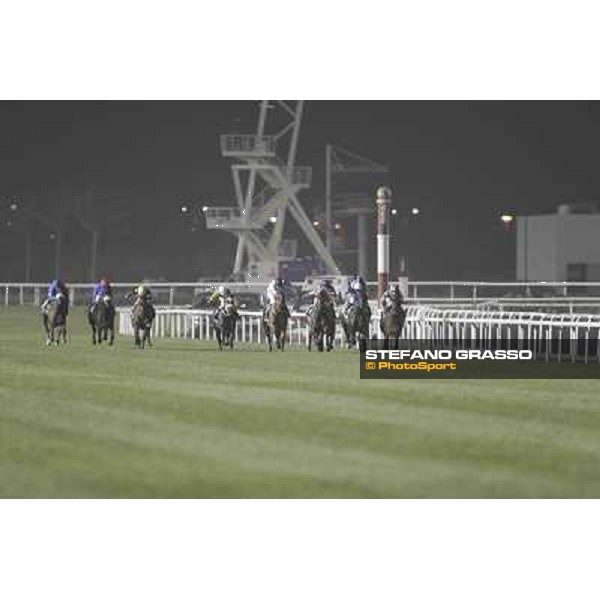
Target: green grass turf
{"points": [[184, 420]]}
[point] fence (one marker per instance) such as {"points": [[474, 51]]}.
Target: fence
{"points": [[551, 336], [569, 297]]}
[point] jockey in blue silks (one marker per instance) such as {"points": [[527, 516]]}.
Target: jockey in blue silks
{"points": [[357, 294], [101, 289], [55, 287]]}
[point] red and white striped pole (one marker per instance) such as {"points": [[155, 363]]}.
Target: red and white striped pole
{"points": [[384, 201]]}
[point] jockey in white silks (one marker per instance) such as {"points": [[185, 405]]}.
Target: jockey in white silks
{"points": [[275, 288]]}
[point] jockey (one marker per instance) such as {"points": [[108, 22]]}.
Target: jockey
{"points": [[101, 289], [277, 286], [142, 294], [357, 294], [274, 288], [352, 297], [55, 287], [392, 298], [357, 284], [325, 285], [221, 295]]}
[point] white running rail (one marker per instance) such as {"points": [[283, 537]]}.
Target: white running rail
{"points": [[556, 296], [557, 336]]}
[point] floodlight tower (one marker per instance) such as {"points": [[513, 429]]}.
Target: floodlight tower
{"points": [[267, 182]]}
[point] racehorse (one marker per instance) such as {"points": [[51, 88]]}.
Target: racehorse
{"points": [[54, 317], [102, 321], [355, 322], [224, 324], [392, 324], [275, 323], [142, 317], [321, 326]]}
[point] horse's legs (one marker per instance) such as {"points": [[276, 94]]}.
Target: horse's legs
{"points": [[147, 336], [112, 336], [352, 338], [268, 336], [347, 335], [320, 341], [46, 328]]}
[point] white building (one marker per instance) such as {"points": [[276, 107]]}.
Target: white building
{"points": [[564, 246]]}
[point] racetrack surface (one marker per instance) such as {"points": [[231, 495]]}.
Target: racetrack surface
{"points": [[182, 419]]}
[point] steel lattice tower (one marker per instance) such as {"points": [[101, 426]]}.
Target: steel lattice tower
{"points": [[267, 183]]}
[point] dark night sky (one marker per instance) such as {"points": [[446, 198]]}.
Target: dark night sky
{"points": [[462, 163]]}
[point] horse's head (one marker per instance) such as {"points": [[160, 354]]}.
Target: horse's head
{"points": [[324, 296], [395, 304], [60, 299], [107, 300], [228, 307], [278, 298]]}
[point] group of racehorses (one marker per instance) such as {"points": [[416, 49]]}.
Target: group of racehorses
{"points": [[355, 322], [101, 319], [355, 319]]}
